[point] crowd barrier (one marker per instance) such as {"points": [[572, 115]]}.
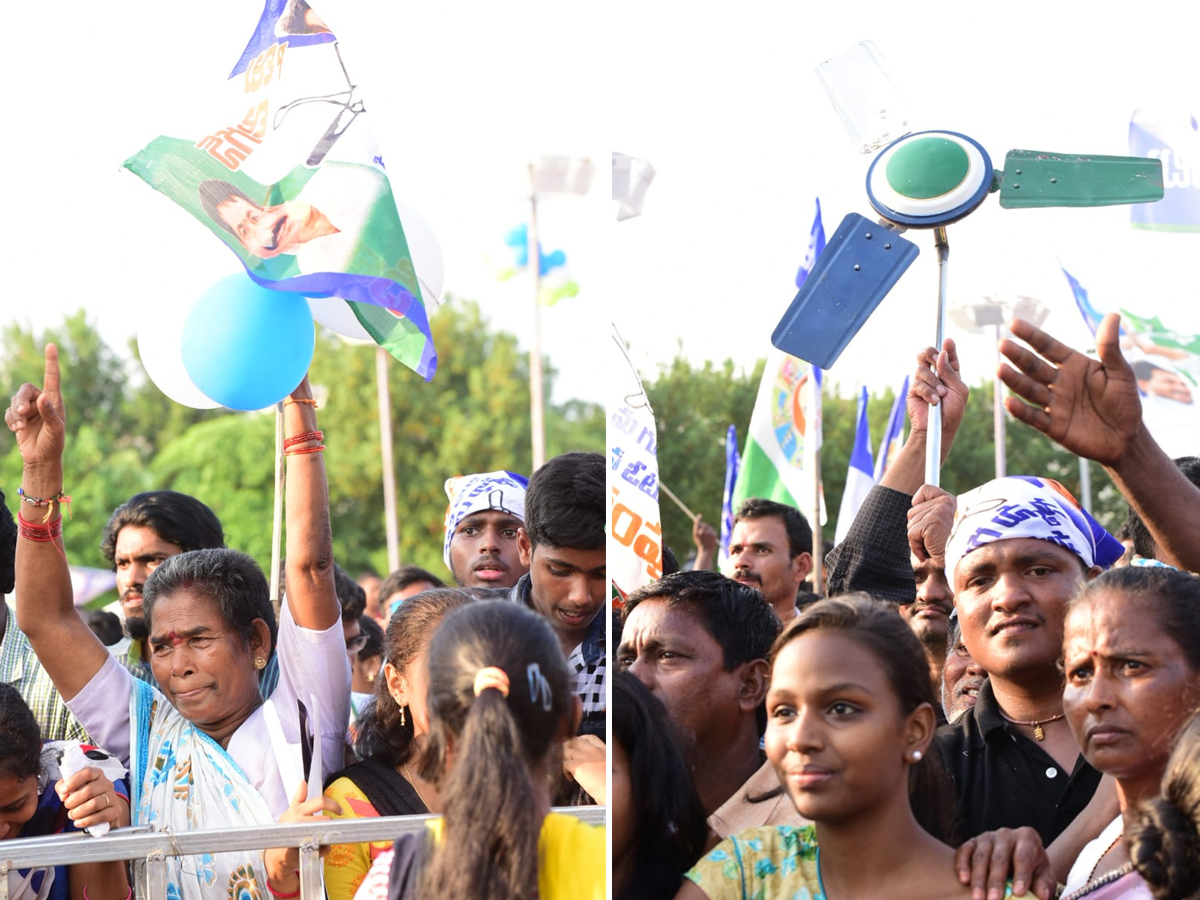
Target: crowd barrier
{"points": [[150, 849]]}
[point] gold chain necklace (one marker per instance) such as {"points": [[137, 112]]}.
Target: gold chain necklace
{"points": [[1038, 733], [413, 782]]}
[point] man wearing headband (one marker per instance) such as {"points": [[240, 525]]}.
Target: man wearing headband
{"points": [[1018, 549], [485, 512]]}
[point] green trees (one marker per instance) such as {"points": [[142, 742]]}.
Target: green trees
{"points": [[694, 405], [124, 436]]}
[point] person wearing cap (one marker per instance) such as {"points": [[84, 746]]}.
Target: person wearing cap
{"points": [[1018, 549], [485, 512]]}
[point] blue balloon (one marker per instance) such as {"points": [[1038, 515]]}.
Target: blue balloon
{"points": [[245, 346]]}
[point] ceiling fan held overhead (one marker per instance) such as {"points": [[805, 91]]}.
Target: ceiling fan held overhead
{"points": [[925, 179]]}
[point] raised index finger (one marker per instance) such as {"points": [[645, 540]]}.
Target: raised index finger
{"points": [[1050, 348], [50, 379]]}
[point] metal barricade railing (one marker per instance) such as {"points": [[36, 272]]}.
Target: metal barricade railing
{"points": [[149, 849]]}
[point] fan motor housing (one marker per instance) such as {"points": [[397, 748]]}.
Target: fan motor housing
{"points": [[929, 179]]}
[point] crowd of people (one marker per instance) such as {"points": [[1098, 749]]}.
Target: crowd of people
{"points": [[995, 697], [484, 703]]}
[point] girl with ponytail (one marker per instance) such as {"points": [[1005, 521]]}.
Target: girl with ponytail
{"points": [[499, 703], [850, 728], [1164, 837]]}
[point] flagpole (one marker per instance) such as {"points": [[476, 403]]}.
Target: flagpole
{"points": [[810, 439], [671, 494], [383, 392], [536, 398], [933, 449], [277, 516]]}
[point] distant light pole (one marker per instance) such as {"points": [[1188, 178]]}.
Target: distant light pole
{"points": [[548, 176], [993, 312]]}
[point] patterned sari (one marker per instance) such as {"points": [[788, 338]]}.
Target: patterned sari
{"points": [[183, 780]]}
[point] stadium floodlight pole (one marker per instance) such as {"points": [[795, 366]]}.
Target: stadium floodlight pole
{"points": [[548, 176], [537, 399], [993, 312]]}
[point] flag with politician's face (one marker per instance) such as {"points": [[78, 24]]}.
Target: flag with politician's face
{"points": [[292, 182]]}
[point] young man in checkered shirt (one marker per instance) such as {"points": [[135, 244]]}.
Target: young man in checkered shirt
{"points": [[563, 544]]}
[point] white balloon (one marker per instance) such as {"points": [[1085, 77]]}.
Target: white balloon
{"points": [[425, 251], [336, 314], [160, 345]]}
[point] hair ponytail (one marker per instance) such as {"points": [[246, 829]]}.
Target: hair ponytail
{"points": [[482, 749], [1163, 842]]}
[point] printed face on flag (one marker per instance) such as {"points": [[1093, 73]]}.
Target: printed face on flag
{"points": [[292, 182]]}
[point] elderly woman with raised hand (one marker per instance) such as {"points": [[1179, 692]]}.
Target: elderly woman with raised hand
{"points": [[204, 750]]}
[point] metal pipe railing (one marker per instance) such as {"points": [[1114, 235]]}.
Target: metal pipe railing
{"points": [[150, 849]]}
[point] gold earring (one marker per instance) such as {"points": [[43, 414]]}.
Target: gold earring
{"points": [[402, 716], [371, 678], [260, 662]]}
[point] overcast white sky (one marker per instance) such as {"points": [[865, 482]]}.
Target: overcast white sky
{"points": [[721, 98]]}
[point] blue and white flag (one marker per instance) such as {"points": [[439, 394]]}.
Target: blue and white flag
{"points": [[1174, 140], [1090, 314], [860, 476], [895, 432], [732, 463], [816, 243]]}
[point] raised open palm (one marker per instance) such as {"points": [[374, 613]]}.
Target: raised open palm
{"points": [[1089, 406]]}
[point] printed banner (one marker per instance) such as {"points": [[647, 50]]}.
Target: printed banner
{"points": [[635, 550], [291, 181], [1174, 139]]}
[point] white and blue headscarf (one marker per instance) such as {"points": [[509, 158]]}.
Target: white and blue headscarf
{"points": [[1022, 506], [500, 490]]}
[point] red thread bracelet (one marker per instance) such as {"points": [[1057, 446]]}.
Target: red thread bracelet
{"points": [[301, 438]]}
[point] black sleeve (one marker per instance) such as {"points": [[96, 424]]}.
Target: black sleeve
{"points": [[874, 556], [409, 853]]}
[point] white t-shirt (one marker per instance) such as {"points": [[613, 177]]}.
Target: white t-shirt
{"points": [[310, 663]]}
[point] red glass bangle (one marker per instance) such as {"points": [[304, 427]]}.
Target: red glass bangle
{"points": [[41, 532], [296, 451]]}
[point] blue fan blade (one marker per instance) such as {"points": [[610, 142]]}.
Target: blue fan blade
{"points": [[860, 264]]}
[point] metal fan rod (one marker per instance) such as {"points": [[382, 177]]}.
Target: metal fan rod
{"points": [[933, 446]]}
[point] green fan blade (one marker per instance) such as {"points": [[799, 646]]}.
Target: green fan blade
{"points": [[1032, 178]]}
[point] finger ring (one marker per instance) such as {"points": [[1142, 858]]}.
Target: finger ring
{"points": [[107, 802]]}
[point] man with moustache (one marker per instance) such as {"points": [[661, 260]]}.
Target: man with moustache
{"points": [[143, 532], [485, 514], [699, 643], [771, 550], [961, 677]]}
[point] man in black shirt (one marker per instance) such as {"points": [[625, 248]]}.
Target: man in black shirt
{"points": [[1019, 549]]}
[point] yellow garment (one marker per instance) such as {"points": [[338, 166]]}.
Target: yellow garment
{"points": [[347, 864], [572, 863]]}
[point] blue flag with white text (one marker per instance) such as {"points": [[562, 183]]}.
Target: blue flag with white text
{"points": [[816, 243], [732, 462], [895, 429], [860, 476]]}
